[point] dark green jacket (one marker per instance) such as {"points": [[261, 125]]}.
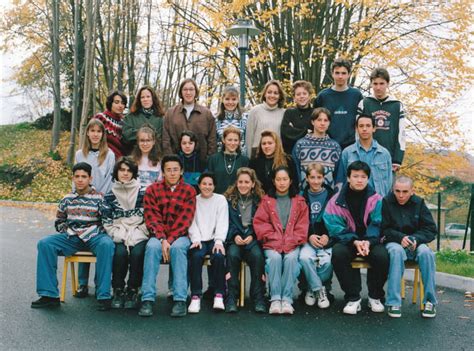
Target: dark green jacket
{"points": [[134, 121], [225, 169], [389, 124]]}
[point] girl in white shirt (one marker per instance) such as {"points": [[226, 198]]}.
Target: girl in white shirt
{"points": [[208, 233]]}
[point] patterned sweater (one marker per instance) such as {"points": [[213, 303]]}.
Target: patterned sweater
{"points": [[169, 212], [231, 120], [325, 151], [81, 214], [113, 124]]}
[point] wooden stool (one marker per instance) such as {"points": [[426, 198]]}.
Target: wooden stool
{"points": [[359, 262], [243, 274], [417, 283], [81, 257]]}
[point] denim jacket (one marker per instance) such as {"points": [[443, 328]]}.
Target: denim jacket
{"points": [[380, 166]]}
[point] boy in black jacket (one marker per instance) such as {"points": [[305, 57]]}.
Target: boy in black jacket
{"points": [[407, 226]]}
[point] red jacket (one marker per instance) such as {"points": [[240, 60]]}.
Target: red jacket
{"points": [[169, 214], [269, 230]]}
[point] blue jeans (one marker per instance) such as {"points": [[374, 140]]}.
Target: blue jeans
{"points": [[179, 261], [83, 274], [425, 259], [316, 265], [52, 246], [283, 270]]}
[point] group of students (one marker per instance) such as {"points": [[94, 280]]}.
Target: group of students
{"points": [[284, 190]]}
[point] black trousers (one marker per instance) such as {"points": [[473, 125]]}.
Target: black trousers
{"points": [[349, 278], [256, 261], [123, 260], [217, 276]]}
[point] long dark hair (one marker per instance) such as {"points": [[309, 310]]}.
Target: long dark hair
{"points": [[157, 105], [292, 191]]}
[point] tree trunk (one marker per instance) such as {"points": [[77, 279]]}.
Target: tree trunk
{"points": [[75, 94], [56, 76]]}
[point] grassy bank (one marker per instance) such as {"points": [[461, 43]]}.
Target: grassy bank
{"points": [[28, 172], [455, 262]]}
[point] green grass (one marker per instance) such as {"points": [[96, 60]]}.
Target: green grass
{"points": [[457, 262]]}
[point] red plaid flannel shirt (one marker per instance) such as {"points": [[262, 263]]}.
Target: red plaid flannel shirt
{"points": [[169, 214]]}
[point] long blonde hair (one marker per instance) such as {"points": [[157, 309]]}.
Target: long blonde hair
{"points": [[103, 147], [279, 157], [232, 192]]}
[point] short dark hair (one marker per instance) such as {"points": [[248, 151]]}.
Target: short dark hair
{"points": [[358, 166], [207, 175], [293, 191], [130, 164], [364, 115], [380, 72], [341, 62], [170, 158], [317, 111], [82, 166], [110, 99], [191, 136]]}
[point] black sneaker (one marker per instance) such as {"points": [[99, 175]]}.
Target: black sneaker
{"points": [[260, 307], [104, 305], [231, 306], [131, 301], [82, 292], [119, 298], [146, 310], [179, 309], [46, 302]]}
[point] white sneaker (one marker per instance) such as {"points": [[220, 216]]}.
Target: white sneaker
{"points": [[275, 307], [309, 298], [195, 305], [323, 301], [218, 302], [375, 305], [169, 294], [352, 307], [287, 308]]}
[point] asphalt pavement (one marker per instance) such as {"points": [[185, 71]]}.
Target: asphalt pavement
{"points": [[76, 325]]}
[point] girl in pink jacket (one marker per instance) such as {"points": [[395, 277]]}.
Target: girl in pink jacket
{"points": [[281, 225]]}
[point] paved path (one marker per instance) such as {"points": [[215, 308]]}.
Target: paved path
{"points": [[76, 325]]}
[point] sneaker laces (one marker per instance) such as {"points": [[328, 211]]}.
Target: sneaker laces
{"points": [[322, 294], [429, 306]]}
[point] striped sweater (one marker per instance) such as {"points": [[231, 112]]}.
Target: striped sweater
{"points": [[81, 214]]}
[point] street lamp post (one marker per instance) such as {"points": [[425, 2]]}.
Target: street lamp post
{"points": [[243, 29]]}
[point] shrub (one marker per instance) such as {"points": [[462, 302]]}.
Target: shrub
{"points": [[46, 122]]}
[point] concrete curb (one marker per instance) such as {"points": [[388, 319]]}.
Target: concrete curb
{"points": [[446, 280]]}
